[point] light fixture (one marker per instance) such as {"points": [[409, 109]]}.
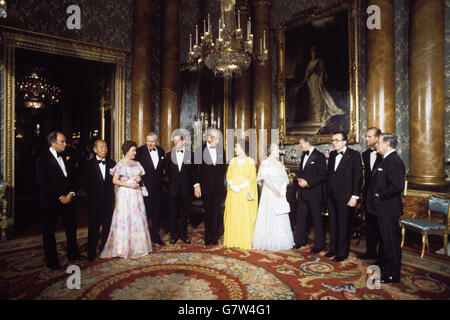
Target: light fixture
{"points": [[37, 91], [230, 53], [3, 13]]}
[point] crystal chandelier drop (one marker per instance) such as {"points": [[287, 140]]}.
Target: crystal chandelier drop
{"points": [[231, 51], [37, 91]]}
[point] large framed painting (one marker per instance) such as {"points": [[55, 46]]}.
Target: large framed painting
{"points": [[317, 78]]}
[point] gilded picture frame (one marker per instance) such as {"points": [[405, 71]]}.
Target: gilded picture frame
{"points": [[317, 74]]}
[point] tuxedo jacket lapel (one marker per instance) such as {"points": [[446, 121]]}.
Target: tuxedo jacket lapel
{"points": [[55, 163], [343, 161], [98, 171]]}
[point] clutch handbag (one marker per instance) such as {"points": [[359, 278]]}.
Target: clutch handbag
{"points": [[144, 191], [283, 206]]}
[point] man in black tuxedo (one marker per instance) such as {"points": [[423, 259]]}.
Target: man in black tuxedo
{"points": [[384, 200], [212, 177], [101, 197], [183, 179], [57, 191], [344, 178], [371, 160], [312, 175], [151, 157]]}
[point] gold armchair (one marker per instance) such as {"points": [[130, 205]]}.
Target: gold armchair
{"points": [[428, 226]]}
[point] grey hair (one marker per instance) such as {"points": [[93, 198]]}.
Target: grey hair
{"points": [[152, 134], [97, 141], [390, 138]]}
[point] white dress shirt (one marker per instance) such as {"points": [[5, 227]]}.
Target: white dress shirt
{"points": [[180, 157], [59, 160], [154, 156], [102, 167], [213, 153], [338, 158], [373, 158], [305, 159]]}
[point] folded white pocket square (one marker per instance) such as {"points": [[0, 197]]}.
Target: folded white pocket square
{"points": [[312, 162], [380, 169]]}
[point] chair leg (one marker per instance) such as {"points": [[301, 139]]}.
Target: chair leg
{"points": [[427, 243], [403, 236], [424, 236], [446, 244]]}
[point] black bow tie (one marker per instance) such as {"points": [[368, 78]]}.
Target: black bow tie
{"points": [[307, 152], [373, 150], [212, 147], [59, 154], [180, 151], [342, 152], [151, 150], [101, 161]]}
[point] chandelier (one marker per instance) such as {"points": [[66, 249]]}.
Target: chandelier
{"points": [[231, 51], [37, 91]]}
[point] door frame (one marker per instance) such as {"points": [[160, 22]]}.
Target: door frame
{"points": [[17, 38]]}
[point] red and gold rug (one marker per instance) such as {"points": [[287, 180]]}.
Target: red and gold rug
{"points": [[185, 272]]}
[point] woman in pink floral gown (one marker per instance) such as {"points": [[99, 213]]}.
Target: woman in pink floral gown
{"points": [[129, 236]]}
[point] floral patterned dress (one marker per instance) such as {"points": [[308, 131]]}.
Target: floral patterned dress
{"points": [[129, 236]]}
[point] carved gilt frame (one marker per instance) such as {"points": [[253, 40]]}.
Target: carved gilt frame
{"points": [[304, 19], [16, 38]]}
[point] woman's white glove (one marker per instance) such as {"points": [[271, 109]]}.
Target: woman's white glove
{"points": [[235, 188]]}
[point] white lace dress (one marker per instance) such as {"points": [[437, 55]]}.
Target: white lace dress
{"points": [[272, 230]]}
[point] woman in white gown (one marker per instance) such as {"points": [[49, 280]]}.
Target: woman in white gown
{"points": [[272, 230]]}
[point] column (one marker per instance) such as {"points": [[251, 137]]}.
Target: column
{"points": [[427, 115], [170, 75], [141, 83], [381, 70], [262, 77]]}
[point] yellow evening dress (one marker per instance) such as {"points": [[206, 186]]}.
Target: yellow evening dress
{"points": [[240, 213]]}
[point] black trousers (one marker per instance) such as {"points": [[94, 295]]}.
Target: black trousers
{"points": [[153, 210], [372, 234], [391, 255], [340, 227], [212, 205], [179, 211], [98, 216], [50, 219], [305, 209]]}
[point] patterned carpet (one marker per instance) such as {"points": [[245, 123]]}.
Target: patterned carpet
{"points": [[185, 272]]}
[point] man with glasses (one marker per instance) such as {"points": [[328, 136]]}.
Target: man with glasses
{"points": [[344, 176]]}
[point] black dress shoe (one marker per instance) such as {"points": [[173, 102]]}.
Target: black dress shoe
{"points": [[316, 250], [298, 246], [207, 243], [160, 242], [186, 240], [330, 255], [54, 266], [173, 241], [366, 256], [90, 259], [339, 258], [215, 243], [389, 279]]}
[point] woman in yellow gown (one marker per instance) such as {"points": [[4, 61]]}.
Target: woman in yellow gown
{"points": [[241, 203]]}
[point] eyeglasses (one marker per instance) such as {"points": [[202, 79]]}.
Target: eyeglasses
{"points": [[336, 140]]}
